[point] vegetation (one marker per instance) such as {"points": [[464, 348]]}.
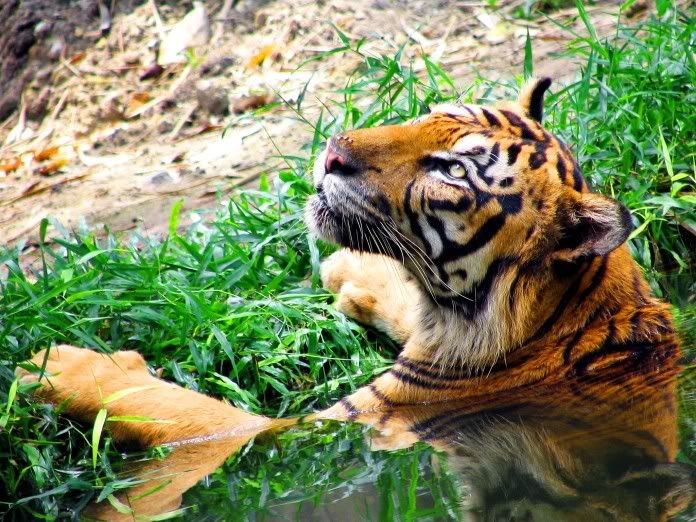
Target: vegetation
{"points": [[233, 306]]}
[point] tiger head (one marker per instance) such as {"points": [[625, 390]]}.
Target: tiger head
{"points": [[485, 207]]}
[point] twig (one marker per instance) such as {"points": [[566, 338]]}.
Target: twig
{"points": [[158, 20], [220, 20], [182, 121], [17, 131], [32, 191]]}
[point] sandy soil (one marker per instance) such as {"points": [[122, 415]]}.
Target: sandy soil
{"points": [[107, 137]]}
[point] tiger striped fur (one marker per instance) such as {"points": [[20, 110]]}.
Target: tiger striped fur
{"points": [[473, 240]]}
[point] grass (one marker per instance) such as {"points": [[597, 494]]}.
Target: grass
{"points": [[333, 460], [232, 306]]}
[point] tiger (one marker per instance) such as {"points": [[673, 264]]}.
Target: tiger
{"points": [[531, 345]]}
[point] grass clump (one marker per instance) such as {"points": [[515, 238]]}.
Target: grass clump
{"points": [[631, 122], [233, 306]]}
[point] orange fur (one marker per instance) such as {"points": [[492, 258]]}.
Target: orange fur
{"points": [[566, 322]]}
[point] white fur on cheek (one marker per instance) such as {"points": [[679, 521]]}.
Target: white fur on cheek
{"points": [[470, 142], [319, 169]]}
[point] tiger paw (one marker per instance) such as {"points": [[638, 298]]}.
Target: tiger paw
{"points": [[85, 382], [82, 376], [374, 290]]}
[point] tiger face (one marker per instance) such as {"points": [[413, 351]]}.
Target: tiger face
{"points": [[473, 200]]}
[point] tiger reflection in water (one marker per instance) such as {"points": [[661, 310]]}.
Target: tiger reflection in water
{"points": [[533, 353]]}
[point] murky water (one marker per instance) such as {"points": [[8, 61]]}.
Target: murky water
{"points": [[543, 454]]}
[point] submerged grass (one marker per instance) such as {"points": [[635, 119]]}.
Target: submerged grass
{"points": [[233, 306]]}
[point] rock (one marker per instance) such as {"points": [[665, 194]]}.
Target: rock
{"points": [[131, 58], [162, 178], [56, 49], [42, 29], [36, 109], [165, 127], [216, 65], [211, 99]]}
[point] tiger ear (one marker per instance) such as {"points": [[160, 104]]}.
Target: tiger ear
{"points": [[532, 97], [591, 225]]}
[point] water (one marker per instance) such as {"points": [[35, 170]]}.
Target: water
{"points": [[610, 450]]}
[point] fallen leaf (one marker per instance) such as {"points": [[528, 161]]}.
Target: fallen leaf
{"points": [[137, 100], [78, 57], [45, 154], [52, 167], [206, 127], [266, 52], [250, 102], [10, 165]]}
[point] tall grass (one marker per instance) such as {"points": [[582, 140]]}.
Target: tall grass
{"points": [[233, 307]]}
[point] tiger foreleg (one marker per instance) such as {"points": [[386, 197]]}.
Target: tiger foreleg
{"points": [[139, 407], [374, 290]]}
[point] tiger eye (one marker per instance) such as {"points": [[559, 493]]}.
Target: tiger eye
{"points": [[457, 171]]}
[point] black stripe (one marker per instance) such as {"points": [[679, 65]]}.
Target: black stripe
{"points": [[461, 205], [577, 178], [490, 117], [413, 218], [460, 273], [471, 303], [436, 372], [635, 320], [510, 203], [597, 280], [352, 411], [516, 121], [426, 371], [513, 152], [538, 158], [562, 170], [449, 423], [638, 349], [380, 396], [385, 418], [467, 109], [567, 296], [493, 158], [416, 380], [381, 203], [568, 350], [453, 250]]}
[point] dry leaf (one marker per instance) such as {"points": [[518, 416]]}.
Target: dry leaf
{"points": [[45, 154], [10, 165], [266, 52], [250, 102], [137, 100], [77, 58], [51, 167]]}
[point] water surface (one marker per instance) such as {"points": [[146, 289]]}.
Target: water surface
{"points": [[600, 452]]}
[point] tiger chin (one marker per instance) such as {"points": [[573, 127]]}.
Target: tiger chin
{"points": [[471, 238]]}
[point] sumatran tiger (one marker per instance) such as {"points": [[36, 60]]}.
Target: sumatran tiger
{"points": [[532, 350]]}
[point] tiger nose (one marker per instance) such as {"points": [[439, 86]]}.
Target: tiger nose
{"points": [[338, 162]]}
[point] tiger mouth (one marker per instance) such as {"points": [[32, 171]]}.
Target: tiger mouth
{"points": [[344, 228]]}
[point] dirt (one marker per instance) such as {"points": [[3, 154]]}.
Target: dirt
{"points": [[101, 134]]}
